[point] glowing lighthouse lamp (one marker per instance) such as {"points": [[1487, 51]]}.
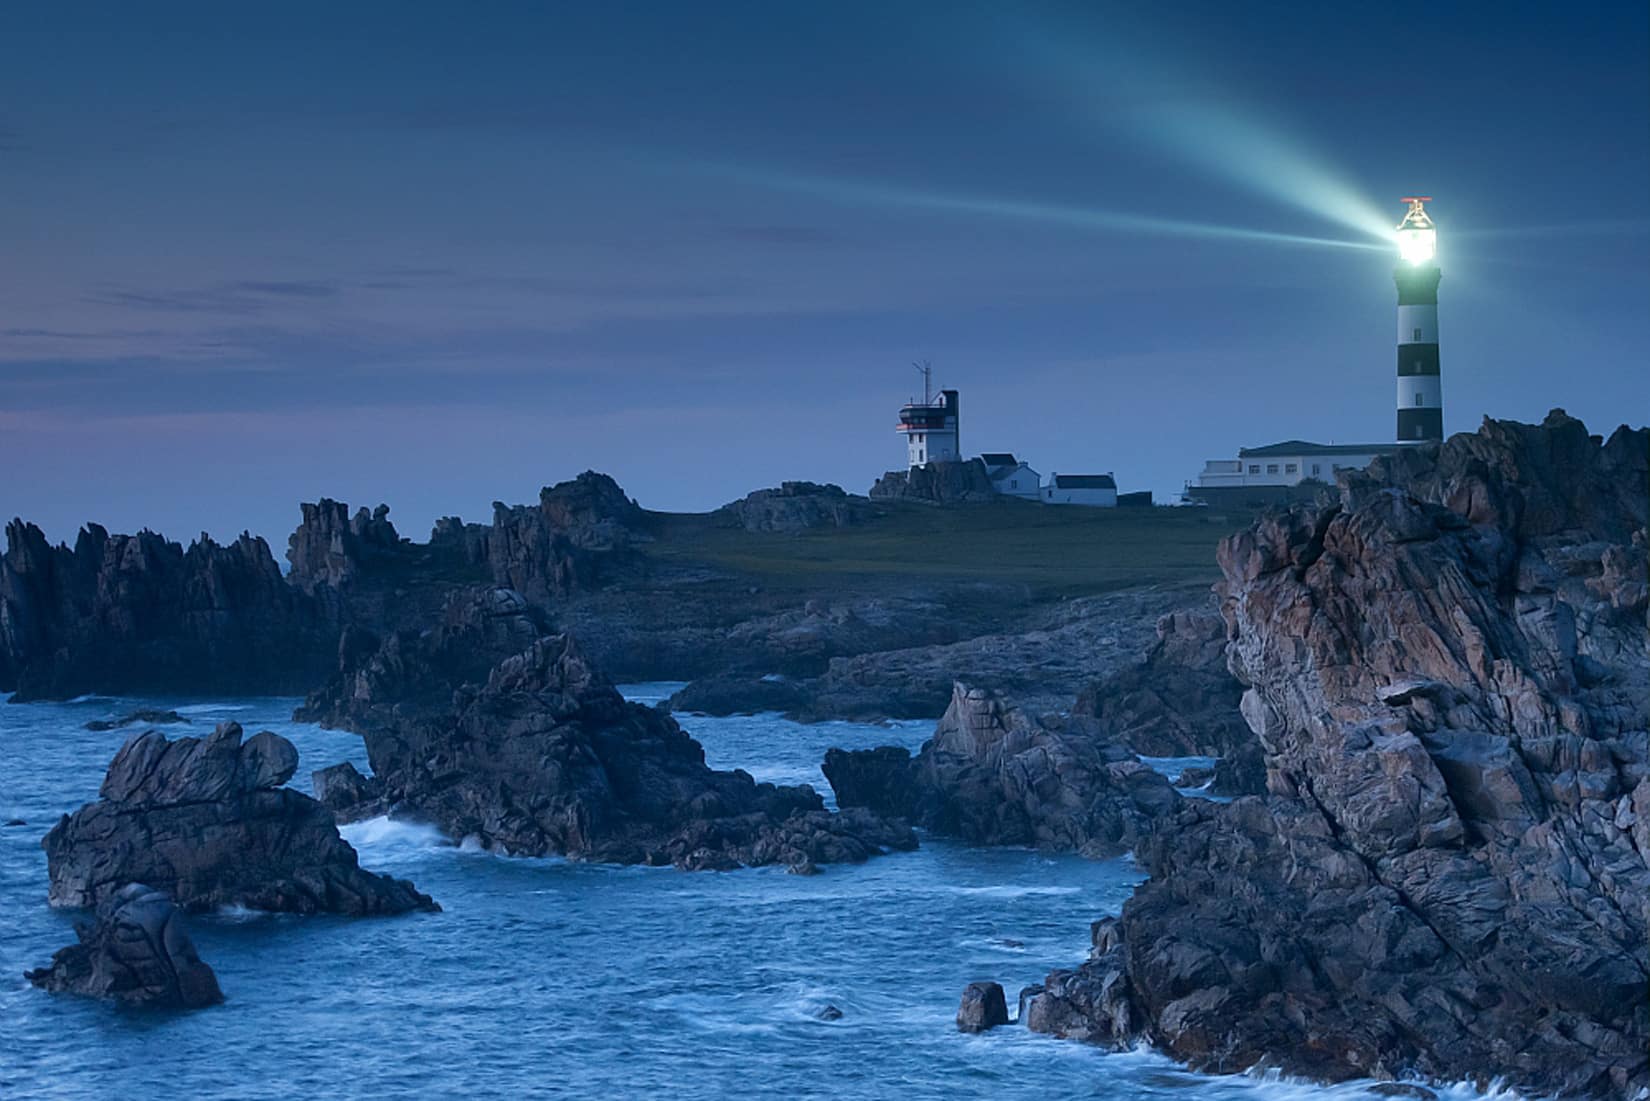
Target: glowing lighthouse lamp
{"points": [[1420, 386]]}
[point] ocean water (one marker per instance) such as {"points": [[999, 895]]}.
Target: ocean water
{"points": [[551, 978]]}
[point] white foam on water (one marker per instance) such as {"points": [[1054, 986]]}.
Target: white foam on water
{"points": [[211, 708], [388, 833], [1008, 891]]}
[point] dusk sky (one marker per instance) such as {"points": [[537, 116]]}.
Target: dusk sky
{"points": [[438, 255]]}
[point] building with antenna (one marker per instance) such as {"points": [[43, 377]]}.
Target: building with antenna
{"points": [[931, 427], [1297, 469]]}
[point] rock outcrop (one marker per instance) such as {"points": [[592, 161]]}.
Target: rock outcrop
{"points": [[796, 507], [983, 1007], [544, 756], [138, 953], [952, 483], [996, 775], [138, 615], [1048, 657], [1449, 673], [331, 549], [207, 821]]}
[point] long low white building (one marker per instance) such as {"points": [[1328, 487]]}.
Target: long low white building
{"points": [[1094, 490], [1280, 471]]}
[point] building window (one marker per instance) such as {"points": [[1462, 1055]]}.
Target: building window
{"points": [[1289, 468], [1254, 468], [1317, 468], [1417, 336], [1271, 468], [1420, 400], [1417, 366]]}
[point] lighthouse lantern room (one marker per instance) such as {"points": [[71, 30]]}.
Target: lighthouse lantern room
{"points": [[930, 427]]}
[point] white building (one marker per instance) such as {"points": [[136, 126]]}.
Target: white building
{"points": [[931, 429], [1010, 477], [1094, 490], [1280, 471]]}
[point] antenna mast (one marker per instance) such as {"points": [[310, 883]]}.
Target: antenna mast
{"points": [[927, 381]]}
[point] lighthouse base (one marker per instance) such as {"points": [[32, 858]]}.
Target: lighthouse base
{"points": [[1420, 424]]}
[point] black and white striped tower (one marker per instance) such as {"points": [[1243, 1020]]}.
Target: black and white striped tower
{"points": [[1420, 387]]}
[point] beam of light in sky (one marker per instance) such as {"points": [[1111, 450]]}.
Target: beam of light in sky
{"points": [[1121, 86], [858, 192]]}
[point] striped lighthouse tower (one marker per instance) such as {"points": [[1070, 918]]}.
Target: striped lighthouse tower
{"points": [[1420, 388]]}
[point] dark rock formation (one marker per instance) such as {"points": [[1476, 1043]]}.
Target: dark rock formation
{"points": [[1181, 700], [545, 756], [136, 614], [796, 507], [952, 483], [418, 670], [146, 715], [1449, 674], [983, 1007], [207, 821], [883, 667], [995, 775], [138, 953], [331, 549]]}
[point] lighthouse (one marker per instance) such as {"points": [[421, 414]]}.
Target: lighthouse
{"points": [[1420, 388]]}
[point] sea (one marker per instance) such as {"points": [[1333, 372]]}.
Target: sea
{"points": [[552, 978]]}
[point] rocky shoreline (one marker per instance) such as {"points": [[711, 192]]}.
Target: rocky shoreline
{"points": [[1429, 697]]}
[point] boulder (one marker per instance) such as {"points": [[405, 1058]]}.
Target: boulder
{"points": [[146, 715], [137, 952], [983, 1007], [207, 821]]}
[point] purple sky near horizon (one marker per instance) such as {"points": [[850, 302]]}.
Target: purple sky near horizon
{"points": [[438, 255]]}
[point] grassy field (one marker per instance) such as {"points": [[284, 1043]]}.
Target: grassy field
{"points": [[1054, 551]]}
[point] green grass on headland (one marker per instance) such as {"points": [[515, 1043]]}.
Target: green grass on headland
{"points": [[1052, 550]]}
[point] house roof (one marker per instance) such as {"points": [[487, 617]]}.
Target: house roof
{"points": [[1301, 447], [998, 458], [1084, 481]]}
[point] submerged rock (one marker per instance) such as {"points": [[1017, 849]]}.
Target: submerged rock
{"points": [[207, 821], [544, 756], [983, 1007], [1449, 674], [145, 715], [138, 952], [995, 775]]}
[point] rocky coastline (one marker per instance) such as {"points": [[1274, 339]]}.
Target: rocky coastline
{"points": [[1448, 672]]}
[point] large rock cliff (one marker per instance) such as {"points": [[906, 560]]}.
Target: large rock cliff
{"points": [[1449, 674], [137, 614]]}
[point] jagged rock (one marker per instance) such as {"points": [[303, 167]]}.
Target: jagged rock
{"points": [[740, 694], [138, 953], [418, 670], [993, 774], [1181, 700], [796, 507], [1449, 674], [147, 716], [947, 483], [136, 614], [207, 821], [331, 549], [545, 756], [983, 1007]]}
